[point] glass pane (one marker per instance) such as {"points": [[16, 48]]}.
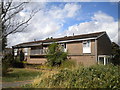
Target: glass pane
{"points": [[101, 60], [86, 47]]}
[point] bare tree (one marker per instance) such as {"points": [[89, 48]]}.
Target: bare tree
{"points": [[11, 22]]}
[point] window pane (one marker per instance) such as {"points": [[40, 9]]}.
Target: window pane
{"points": [[86, 47], [101, 60]]}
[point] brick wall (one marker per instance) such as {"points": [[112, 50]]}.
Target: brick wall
{"points": [[76, 48], [75, 52]]}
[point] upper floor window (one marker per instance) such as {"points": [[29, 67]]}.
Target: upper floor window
{"points": [[87, 46], [64, 46]]}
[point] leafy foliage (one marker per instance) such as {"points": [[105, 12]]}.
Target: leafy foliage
{"points": [[9, 61], [6, 62], [115, 54], [56, 55], [98, 76]]}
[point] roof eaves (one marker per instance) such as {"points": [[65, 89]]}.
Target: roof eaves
{"points": [[100, 35]]}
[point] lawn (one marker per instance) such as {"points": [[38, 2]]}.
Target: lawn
{"points": [[20, 74]]}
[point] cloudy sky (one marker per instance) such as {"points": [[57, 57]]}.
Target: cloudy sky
{"points": [[57, 19]]}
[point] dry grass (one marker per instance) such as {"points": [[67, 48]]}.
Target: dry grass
{"points": [[45, 74]]}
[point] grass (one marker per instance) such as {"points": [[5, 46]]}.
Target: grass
{"points": [[68, 64], [98, 76], [17, 74]]}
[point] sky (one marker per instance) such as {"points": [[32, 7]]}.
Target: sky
{"points": [[59, 19]]}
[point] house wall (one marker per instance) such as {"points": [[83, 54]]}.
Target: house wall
{"points": [[87, 60], [104, 46], [36, 60], [75, 52], [76, 48]]}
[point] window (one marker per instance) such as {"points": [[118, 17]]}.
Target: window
{"points": [[64, 46], [87, 46], [101, 60], [15, 52], [26, 51]]}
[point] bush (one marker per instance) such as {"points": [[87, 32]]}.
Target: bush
{"points": [[17, 63], [56, 55], [115, 54], [6, 62], [9, 61], [70, 64], [98, 76]]}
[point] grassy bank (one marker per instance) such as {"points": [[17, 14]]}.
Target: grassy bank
{"points": [[98, 76], [20, 74]]}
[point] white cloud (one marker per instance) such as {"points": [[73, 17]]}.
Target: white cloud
{"points": [[68, 11], [99, 22], [49, 21], [45, 23]]}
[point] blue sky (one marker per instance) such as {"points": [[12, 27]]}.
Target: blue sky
{"points": [[88, 9], [57, 19]]}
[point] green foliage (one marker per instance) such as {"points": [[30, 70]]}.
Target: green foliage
{"points": [[6, 62], [55, 55], [70, 64], [22, 56], [115, 54], [98, 76], [9, 61], [17, 63]]}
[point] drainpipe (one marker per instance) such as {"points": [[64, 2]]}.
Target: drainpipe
{"points": [[96, 50]]}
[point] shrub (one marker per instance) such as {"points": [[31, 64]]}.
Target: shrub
{"points": [[70, 64], [98, 76], [6, 62], [55, 55], [115, 54], [19, 61]]}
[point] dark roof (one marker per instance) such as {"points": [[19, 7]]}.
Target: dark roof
{"points": [[83, 36]]}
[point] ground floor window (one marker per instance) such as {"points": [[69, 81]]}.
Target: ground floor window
{"points": [[15, 52], [103, 59], [26, 51]]}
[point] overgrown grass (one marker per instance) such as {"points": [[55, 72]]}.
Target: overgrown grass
{"points": [[67, 64], [98, 76], [17, 74]]}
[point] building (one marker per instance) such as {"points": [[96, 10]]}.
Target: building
{"points": [[87, 49]]}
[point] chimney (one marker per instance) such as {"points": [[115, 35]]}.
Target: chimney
{"points": [[34, 39], [73, 34]]}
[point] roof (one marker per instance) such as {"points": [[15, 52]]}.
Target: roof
{"points": [[83, 36]]}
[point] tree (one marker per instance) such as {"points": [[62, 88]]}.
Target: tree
{"points": [[115, 54], [10, 19], [56, 55], [10, 23]]}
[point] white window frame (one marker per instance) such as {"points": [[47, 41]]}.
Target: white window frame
{"points": [[15, 52], [86, 49], [105, 61], [26, 51], [63, 44]]}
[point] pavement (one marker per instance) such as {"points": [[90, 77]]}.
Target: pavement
{"points": [[15, 84]]}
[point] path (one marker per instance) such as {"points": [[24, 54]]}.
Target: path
{"points": [[15, 84]]}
